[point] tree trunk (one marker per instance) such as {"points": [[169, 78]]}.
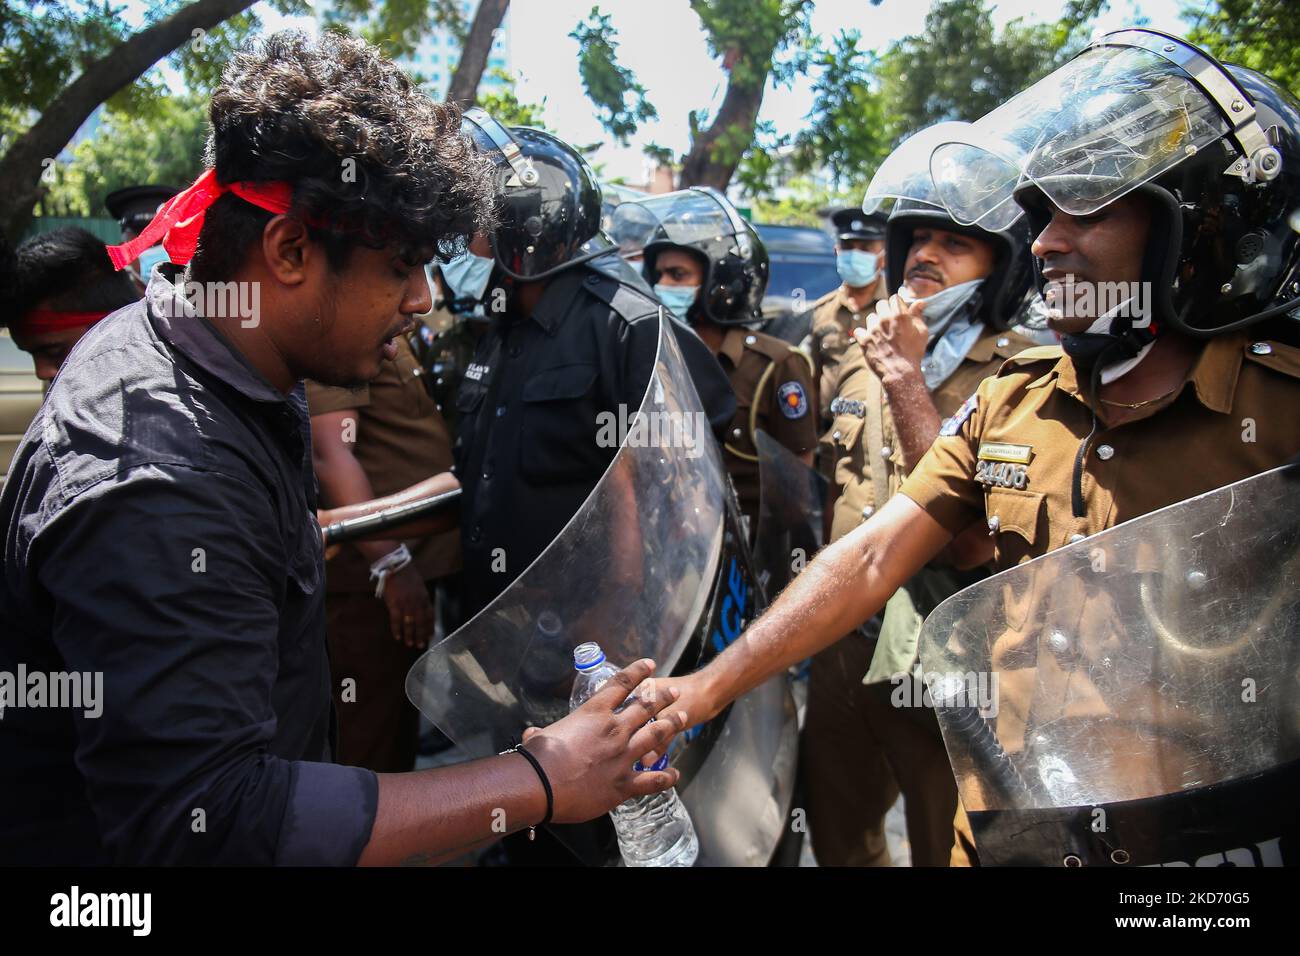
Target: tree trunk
{"points": [[474, 55], [714, 155], [23, 164]]}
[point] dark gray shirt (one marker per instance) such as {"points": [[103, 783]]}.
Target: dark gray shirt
{"points": [[527, 450], [159, 529]]}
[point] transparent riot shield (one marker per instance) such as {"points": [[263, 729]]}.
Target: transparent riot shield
{"points": [[1134, 698], [791, 505], [652, 565]]}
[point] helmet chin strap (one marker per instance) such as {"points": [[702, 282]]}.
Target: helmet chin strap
{"points": [[1123, 341], [1091, 352]]}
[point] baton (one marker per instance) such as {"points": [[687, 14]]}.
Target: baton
{"points": [[353, 528]]}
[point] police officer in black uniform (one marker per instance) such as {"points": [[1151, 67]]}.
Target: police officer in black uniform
{"points": [[573, 333]]}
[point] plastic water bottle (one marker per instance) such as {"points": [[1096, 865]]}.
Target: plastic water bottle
{"points": [[654, 830]]}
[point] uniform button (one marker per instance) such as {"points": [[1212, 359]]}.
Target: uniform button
{"points": [[1003, 342], [1261, 348], [1075, 538], [835, 436], [501, 411], [487, 473], [516, 351], [477, 534], [750, 340], [867, 512], [737, 433], [886, 452], [1105, 452], [593, 280], [994, 524]]}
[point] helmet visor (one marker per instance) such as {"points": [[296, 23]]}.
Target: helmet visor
{"points": [[687, 217], [1110, 120], [905, 173], [490, 137]]}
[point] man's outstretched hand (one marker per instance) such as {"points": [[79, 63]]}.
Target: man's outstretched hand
{"points": [[589, 755]]}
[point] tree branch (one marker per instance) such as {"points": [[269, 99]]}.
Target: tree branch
{"points": [[23, 164]]}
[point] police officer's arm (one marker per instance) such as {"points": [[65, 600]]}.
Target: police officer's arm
{"points": [[342, 479], [894, 343], [847, 583], [792, 419], [421, 527]]}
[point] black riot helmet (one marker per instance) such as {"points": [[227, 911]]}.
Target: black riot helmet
{"points": [[1215, 149], [549, 200], [904, 177], [702, 221]]}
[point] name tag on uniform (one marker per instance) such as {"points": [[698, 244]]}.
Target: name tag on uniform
{"points": [[475, 372], [1003, 465], [1002, 451]]}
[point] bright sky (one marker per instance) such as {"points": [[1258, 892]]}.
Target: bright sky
{"points": [[663, 43]]}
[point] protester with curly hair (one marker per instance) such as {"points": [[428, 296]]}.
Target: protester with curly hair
{"points": [[168, 691]]}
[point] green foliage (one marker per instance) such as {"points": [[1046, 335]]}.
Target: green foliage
{"points": [[847, 135], [755, 38], [1261, 34], [609, 85], [396, 26], [801, 203], [660, 154], [960, 67], [503, 103], [150, 132], [164, 147], [44, 45]]}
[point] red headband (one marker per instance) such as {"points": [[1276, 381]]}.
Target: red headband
{"points": [[179, 221], [42, 321]]}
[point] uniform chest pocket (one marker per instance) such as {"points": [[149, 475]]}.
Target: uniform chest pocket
{"points": [[846, 430], [560, 384], [1017, 520], [559, 430]]}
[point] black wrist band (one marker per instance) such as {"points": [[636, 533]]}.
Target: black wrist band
{"points": [[546, 785]]}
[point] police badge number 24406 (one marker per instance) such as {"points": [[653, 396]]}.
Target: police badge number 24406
{"points": [[1003, 464]]}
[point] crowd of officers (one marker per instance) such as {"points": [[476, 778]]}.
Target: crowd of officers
{"points": [[506, 399]]}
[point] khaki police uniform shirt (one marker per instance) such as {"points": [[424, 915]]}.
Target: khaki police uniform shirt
{"points": [[1005, 458], [773, 386], [833, 322], [401, 439], [846, 442]]}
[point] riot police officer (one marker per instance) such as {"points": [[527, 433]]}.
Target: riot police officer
{"points": [[955, 290], [1143, 160], [570, 336], [709, 266]]}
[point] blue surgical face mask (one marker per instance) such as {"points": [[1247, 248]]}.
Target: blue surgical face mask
{"points": [[678, 299], [857, 268], [150, 258], [467, 276]]}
